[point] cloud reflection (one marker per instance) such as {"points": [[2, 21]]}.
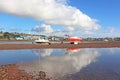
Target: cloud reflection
{"points": [[59, 66], [43, 52]]}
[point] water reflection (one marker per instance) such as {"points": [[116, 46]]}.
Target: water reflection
{"points": [[72, 50], [16, 56], [43, 52], [65, 64], [59, 66]]}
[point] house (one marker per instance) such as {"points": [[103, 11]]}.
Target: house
{"points": [[19, 37], [1, 35]]}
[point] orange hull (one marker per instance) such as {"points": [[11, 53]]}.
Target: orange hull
{"points": [[74, 39]]}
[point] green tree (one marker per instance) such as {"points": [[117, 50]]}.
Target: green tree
{"points": [[7, 35]]}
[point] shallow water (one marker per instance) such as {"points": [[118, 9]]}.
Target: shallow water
{"points": [[16, 42], [67, 64]]}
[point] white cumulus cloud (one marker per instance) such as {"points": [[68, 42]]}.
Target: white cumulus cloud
{"points": [[69, 29], [54, 12], [43, 28]]}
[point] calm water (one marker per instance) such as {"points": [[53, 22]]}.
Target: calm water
{"points": [[67, 64], [16, 42]]}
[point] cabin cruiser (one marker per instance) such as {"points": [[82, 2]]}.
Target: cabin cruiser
{"points": [[42, 39]]}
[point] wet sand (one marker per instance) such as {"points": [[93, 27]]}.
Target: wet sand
{"points": [[12, 72], [59, 45]]}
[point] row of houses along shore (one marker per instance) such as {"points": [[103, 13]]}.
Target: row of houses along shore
{"points": [[23, 36]]}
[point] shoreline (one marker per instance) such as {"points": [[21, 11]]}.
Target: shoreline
{"points": [[59, 45]]}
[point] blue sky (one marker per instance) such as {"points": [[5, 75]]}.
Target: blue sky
{"points": [[21, 24], [106, 12]]}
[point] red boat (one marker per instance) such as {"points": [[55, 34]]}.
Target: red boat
{"points": [[74, 40]]}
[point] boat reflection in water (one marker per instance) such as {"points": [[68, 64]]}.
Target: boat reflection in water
{"points": [[72, 50], [59, 66]]}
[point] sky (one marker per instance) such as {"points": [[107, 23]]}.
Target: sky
{"points": [[82, 18]]}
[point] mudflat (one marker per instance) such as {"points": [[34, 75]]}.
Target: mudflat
{"points": [[59, 45], [12, 72]]}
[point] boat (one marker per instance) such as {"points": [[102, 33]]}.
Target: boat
{"points": [[42, 40], [74, 40]]}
